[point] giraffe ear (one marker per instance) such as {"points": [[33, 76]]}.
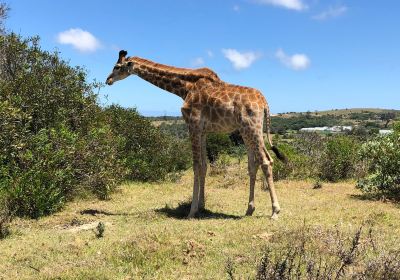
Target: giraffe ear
{"points": [[122, 55]]}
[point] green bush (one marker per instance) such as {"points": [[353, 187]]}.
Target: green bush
{"points": [[53, 145], [297, 166], [44, 177], [382, 156], [97, 165], [44, 87], [312, 147], [146, 153], [339, 158], [311, 155], [218, 143], [174, 128]]}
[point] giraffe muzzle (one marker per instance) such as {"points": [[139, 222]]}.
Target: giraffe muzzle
{"points": [[109, 81]]}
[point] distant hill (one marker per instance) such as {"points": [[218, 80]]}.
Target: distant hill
{"points": [[340, 112], [368, 119], [365, 118]]}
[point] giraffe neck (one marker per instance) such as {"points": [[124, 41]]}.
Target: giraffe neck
{"points": [[178, 81]]}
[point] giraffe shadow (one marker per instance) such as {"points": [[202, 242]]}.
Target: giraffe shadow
{"points": [[182, 210], [96, 212]]}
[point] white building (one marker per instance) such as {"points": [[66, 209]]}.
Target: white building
{"points": [[333, 129], [385, 131]]}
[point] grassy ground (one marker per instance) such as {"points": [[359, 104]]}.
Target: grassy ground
{"points": [[146, 237]]}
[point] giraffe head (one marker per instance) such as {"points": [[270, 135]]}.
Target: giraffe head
{"points": [[122, 69]]}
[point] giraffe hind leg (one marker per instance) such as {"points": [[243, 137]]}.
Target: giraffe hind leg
{"points": [[203, 172], [266, 165]]}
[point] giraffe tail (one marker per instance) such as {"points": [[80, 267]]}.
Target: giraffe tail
{"points": [[275, 149]]}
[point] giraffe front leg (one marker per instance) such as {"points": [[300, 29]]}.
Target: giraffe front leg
{"points": [[203, 172], [252, 168], [196, 150]]}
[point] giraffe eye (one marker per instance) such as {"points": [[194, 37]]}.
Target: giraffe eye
{"points": [[117, 67]]}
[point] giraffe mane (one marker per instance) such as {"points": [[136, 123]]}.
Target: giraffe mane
{"points": [[185, 73]]}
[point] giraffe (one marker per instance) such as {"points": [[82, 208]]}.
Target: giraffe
{"points": [[211, 105]]}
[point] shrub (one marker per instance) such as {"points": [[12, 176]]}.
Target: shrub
{"points": [[52, 142], [174, 128], [218, 143], [98, 167], [312, 147], [146, 153], [297, 166], [382, 156], [311, 155], [339, 158], [44, 178], [44, 87], [220, 166], [238, 152]]}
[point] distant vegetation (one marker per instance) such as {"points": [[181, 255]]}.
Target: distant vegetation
{"points": [[281, 125], [364, 121]]}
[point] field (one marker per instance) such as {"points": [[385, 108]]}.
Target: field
{"points": [[147, 237]]}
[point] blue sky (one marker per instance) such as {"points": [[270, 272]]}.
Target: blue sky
{"points": [[302, 54]]}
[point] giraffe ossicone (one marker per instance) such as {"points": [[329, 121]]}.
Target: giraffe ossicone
{"points": [[211, 105]]}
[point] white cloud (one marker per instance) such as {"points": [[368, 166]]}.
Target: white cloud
{"points": [[297, 5], [236, 8], [210, 53], [80, 39], [295, 62], [332, 12], [240, 60], [198, 61]]}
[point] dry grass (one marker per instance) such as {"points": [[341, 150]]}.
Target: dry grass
{"points": [[146, 236]]}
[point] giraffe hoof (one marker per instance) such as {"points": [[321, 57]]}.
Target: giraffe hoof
{"points": [[276, 209], [274, 216], [250, 210]]}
